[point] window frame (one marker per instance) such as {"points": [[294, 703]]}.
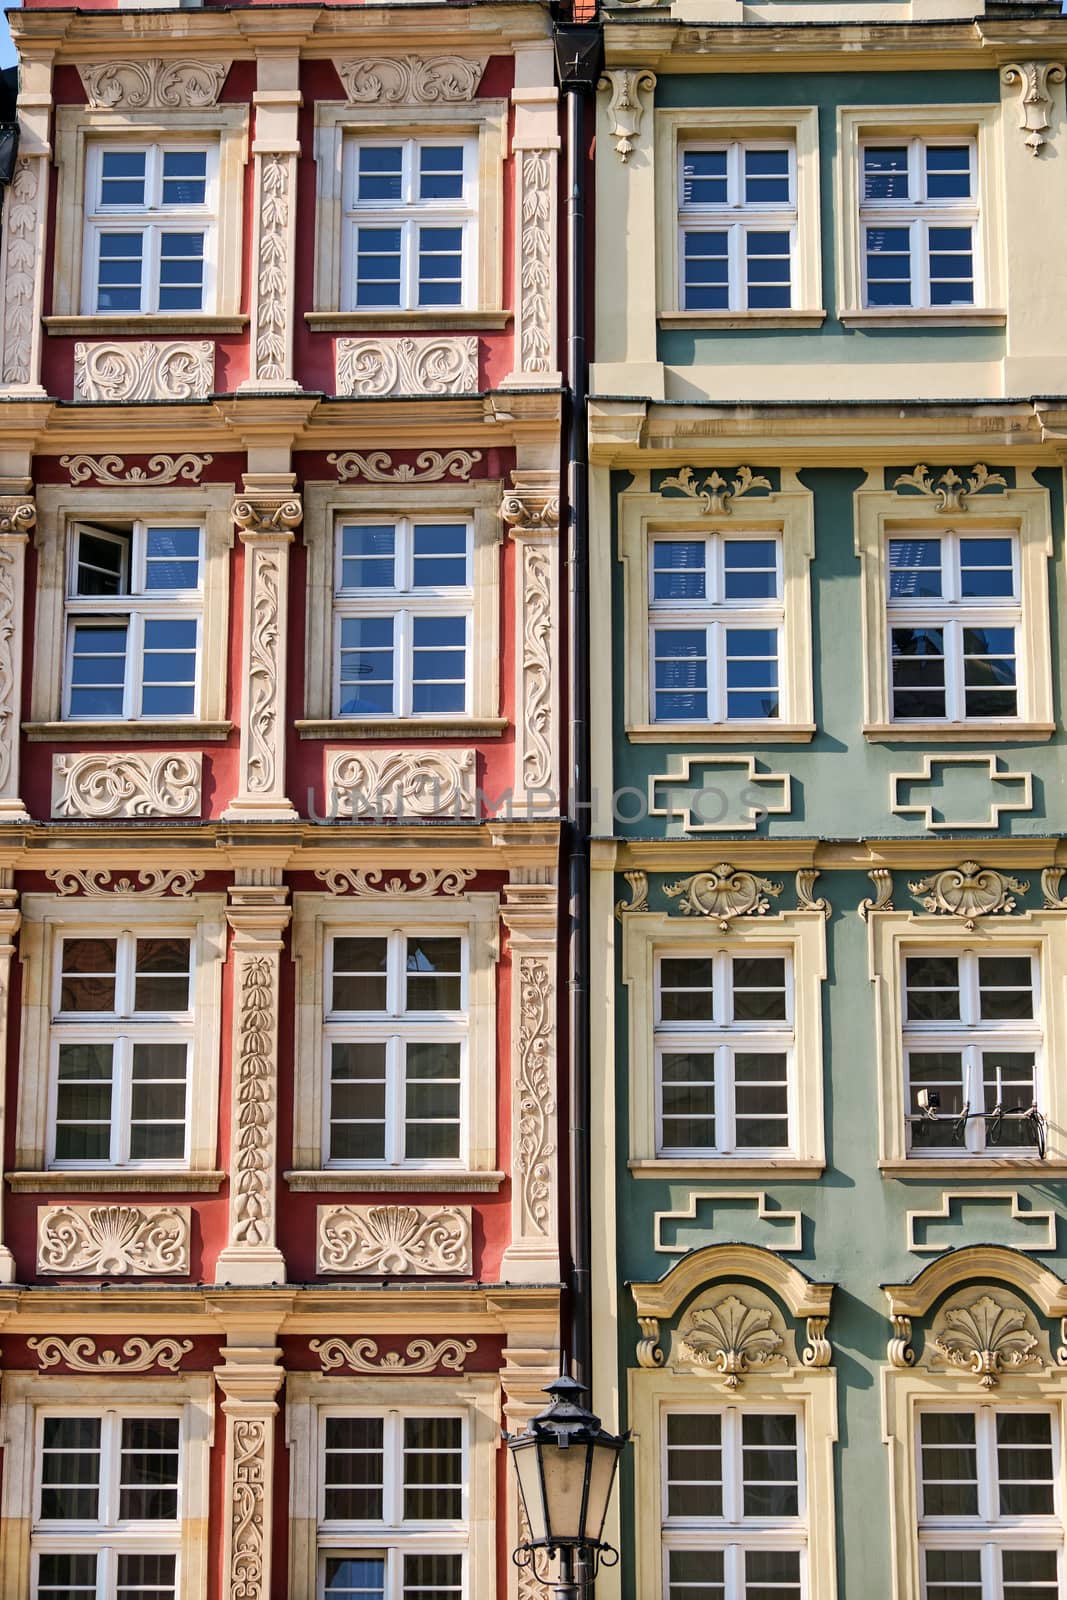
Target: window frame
{"points": [[915, 216], [736, 218]]}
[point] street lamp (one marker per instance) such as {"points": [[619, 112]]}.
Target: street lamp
{"points": [[565, 1464]]}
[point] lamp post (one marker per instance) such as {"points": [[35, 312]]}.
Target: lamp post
{"points": [[565, 1463]]}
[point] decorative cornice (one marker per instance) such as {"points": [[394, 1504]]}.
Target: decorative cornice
{"points": [[968, 891], [18, 514], [152, 883], [154, 369], [424, 881], [436, 365], [137, 1355], [113, 469], [625, 108], [394, 1241], [950, 491], [421, 1355], [112, 1241], [638, 900], [715, 493], [723, 894], [1035, 101], [399, 783], [376, 466], [154, 84], [411, 80], [162, 784]]}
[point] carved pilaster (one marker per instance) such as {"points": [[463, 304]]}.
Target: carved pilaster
{"points": [[249, 1381], [531, 510], [10, 918], [532, 1255], [536, 144], [271, 351], [22, 258], [266, 515], [258, 915], [18, 515]]}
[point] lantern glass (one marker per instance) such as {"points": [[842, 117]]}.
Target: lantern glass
{"points": [[601, 1477], [565, 1474], [528, 1472]]}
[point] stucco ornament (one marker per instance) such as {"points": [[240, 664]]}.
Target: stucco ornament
{"points": [[882, 899], [18, 514], [421, 882], [987, 1337], [271, 341], [407, 366], [264, 651], [164, 784], [135, 1241], [950, 491], [626, 108], [153, 369], [1035, 101], [731, 1337], [537, 706], [1051, 878], [531, 506], [249, 1441], [154, 84], [430, 466], [253, 1186], [805, 883], [136, 1355], [638, 900], [535, 268], [399, 783], [151, 883], [395, 1241], [411, 80], [12, 559], [421, 1355], [113, 469], [723, 894], [715, 493], [20, 230], [536, 1104], [968, 891]]}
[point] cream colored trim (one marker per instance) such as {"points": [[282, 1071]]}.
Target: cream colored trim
{"points": [[45, 918], [309, 1393], [804, 932], [789, 513], [59, 506], [77, 124], [324, 503], [994, 773], [314, 917], [756, 1197], [890, 933], [730, 1166], [923, 317], [801, 128], [943, 1212], [330, 1180], [979, 122], [976, 1263], [1024, 510], [486, 120], [25, 1392]]}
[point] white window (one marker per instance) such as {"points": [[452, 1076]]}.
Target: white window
{"points": [[134, 609], [737, 213], [716, 619], [150, 226], [990, 1526], [734, 1504], [403, 606], [122, 1037], [954, 616], [107, 1517], [918, 223], [396, 1030], [410, 209], [394, 1511], [724, 1048], [972, 1051]]}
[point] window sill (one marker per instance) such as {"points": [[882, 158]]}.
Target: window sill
{"points": [[957, 1166], [924, 317], [737, 1168], [745, 733], [958, 732], [142, 1181], [404, 321], [400, 727], [124, 732], [104, 324], [374, 1180], [741, 319]]}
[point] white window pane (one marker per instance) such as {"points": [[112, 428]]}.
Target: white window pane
{"points": [[752, 672], [888, 256], [989, 672], [694, 1465], [368, 556], [759, 989], [145, 1576], [770, 1466], [169, 667], [87, 975], [772, 1575], [686, 989], [433, 1577], [84, 1102], [696, 1575], [360, 967], [379, 174], [440, 266], [953, 1574], [433, 976], [678, 569], [158, 1094], [687, 1100], [1026, 1468], [1005, 988], [987, 568], [433, 1469], [70, 1469], [704, 178], [432, 1100], [766, 177], [935, 1076], [751, 569], [761, 1100], [1030, 1574], [181, 271], [354, 1465], [918, 672], [932, 988]]}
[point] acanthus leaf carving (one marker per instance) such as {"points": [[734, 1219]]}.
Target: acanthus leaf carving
{"points": [[723, 894], [96, 786], [431, 466], [536, 1103], [151, 883], [435, 365], [1035, 100], [115, 1240], [20, 239], [113, 469], [625, 108], [136, 1355], [153, 84], [649, 1350], [535, 270], [899, 1352], [153, 369], [715, 493], [987, 1337], [411, 80], [421, 882], [638, 900], [1051, 877], [805, 883], [536, 726], [968, 891], [882, 899], [395, 1240], [731, 1337], [421, 1355], [264, 651], [398, 783], [950, 491], [250, 1441], [271, 332], [252, 1202], [11, 569]]}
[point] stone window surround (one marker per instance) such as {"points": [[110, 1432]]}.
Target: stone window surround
{"points": [[58, 509], [790, 514], [317, 917], [310, 1395], [75, 126], [803, 933], [486, 120], [24, 1394], [1025, 512], [891, 934], [45, 920], [800, 128], [858, 123], [325, 504]]}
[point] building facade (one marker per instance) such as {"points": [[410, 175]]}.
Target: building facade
{"points": [[827, 525], [280, 748]]}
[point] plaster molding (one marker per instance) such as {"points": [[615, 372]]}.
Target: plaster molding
{"points": [[535, 1148], [153, 84], [626, 108], [531, 505], [113, 1241], [882, 900], [925, 775], [421, 883], [16, 518], [950, 491], [692, 814], [398, 783], [1035, 100], [113, 469], [638, 900], [431, 466], [255, 1093], [395, 1240], [152, 883], [987, 1336], [266, 512], [262, 510], [407, 366], [730, 1336], [96, 786], [154, 369], [411, 79], [22, 225], [978, 1263], [421, 1355], [272, 328], [137, 1355], [251, 1460], [714, 492], [1051, 878], [535, 276], [806, 901], [536, 725], [789, 1243], [1041, 1242], [723, 894], [968, 891], [18, 515]]}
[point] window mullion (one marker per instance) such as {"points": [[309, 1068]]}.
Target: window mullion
{"points": [[121, 1098], [725, 1118], [955, 699], [403, 663], [736, 269], [396, 1070], [732, 1467]]}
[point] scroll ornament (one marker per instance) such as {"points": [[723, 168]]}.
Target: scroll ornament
{"points": [[421, 1355], [395, 1241], [105, 1241], [1035, 101], [154, 84], [431, 466], [94, 786], [723, 894], [715, 493], [407, 366], [987, 1337], [152, 883], [421, 882], [153, 369], [950, 491], [414, 783], [113, 469], [882, 899], [411, 80], [968, 891], [625, 108], [638, 900], [731, 1338], [136, 1355]]}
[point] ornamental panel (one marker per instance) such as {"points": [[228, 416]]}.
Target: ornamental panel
{"points": [[104, 785], [113, 1241], [407, 366], [395, 1241], [154, 369]]}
